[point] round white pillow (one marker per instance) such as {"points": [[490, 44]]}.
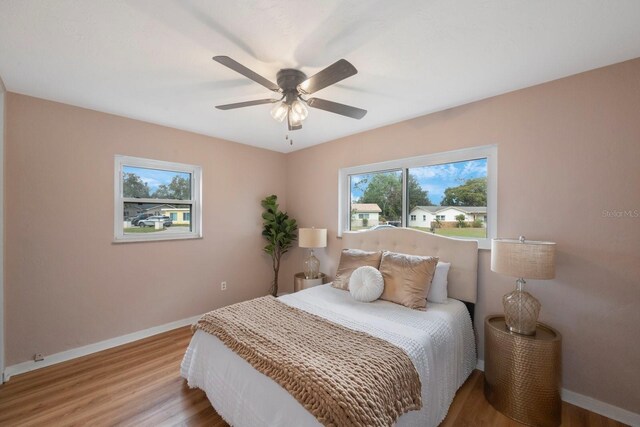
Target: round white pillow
{"points": [[366, 284]]}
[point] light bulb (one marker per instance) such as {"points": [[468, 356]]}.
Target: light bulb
{"points": [[279, 112], [299, 110], [294, 121]]}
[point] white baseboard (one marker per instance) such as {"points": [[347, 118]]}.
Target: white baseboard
{"points": [[74, 353], [591, 404]]}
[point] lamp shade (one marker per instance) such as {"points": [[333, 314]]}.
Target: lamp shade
{"points": [[526, 259], [312, 237]]}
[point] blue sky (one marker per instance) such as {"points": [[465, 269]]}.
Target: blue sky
{"points": [[435, 179], [155, 177]]}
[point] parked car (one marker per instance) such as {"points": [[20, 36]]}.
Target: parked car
{"points": [[151, 221], [138, 217], [377, 227]]}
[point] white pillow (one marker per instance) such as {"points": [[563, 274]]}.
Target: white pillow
{"points": [[438, 290], [366, 284]]}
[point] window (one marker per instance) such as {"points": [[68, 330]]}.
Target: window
{"points": [[150, 196], [379, 194], [457, 189]]}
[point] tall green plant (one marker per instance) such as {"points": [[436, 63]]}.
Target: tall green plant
{"points": [[280, 232]]}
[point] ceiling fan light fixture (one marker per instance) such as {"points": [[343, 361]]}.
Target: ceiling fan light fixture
{"points": [[294, 122], [299, 110], [279, 112]]}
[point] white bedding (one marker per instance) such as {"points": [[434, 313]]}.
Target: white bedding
{"points": [[439, 341]]}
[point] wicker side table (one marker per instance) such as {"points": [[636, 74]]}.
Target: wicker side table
{"points": [[522, 373]]}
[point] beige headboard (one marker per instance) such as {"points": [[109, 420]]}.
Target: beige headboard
{"points": [[462, 254]]}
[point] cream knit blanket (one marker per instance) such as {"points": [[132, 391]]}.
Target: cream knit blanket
{"points": [[343, 377]]}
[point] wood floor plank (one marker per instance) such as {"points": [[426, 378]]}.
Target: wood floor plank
{"points": [[139, 384]]}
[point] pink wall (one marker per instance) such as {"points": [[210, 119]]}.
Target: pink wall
{"points": [[67, 284], [568, 150]]}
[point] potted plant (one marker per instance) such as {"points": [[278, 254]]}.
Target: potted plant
{"points": [[280, 232]]}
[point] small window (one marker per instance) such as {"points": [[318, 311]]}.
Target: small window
{"points": [[424, 217], [413, 217], [150, 195]]}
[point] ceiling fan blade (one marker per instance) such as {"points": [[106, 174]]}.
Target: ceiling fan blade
{"points": [[239, 68], [246, 104], [335, 72], [334, 107]]}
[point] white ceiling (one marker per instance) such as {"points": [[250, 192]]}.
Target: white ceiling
{"points": [[151, 59]]}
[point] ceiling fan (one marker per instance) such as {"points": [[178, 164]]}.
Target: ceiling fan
{"points": [[292, 85]]}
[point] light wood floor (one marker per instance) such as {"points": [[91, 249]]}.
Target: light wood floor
{"points": [[139, 384]]}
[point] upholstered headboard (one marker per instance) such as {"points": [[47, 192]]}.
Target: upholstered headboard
{"points": [[462, 254]]}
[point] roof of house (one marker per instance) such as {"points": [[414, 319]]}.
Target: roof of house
{"points": [[160, 207], [365, 207], [465, 209]]}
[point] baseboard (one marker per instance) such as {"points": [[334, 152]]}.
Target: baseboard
{"points": [[74, 353], [591, 404]]}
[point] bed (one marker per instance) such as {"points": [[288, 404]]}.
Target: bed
{"points": [[439, 341]]}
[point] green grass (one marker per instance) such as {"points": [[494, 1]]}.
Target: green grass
{"points": [[141, 230], [458, 232], [462, 232], [449, 232]]}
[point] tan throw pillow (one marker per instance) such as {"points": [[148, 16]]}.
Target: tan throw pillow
{"points": [[350, 259], [407, 278]]}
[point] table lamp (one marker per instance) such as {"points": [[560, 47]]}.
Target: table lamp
{"points": [[312, 238], [522, 259]]}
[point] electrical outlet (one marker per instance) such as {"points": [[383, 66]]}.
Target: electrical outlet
{"points": [[38, 357], [223, 286]]}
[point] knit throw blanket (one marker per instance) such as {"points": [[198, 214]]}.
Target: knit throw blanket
{"points": [[343, 377]]}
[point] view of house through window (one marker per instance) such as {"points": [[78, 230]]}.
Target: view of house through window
{"points": [[448, 199], [162, 215], [376, 199]]}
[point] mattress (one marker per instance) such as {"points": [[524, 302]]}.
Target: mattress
{"points": [[440, 342]]}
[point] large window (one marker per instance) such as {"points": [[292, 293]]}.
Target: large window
{"points": [[451, 194], [155, 200]]}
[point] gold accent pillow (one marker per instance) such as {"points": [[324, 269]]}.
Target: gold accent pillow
{"points": [[350, 259], [407, 278]]}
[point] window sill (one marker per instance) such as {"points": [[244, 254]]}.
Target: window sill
{"points": [[137, 239]]}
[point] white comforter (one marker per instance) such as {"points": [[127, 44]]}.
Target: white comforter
{"points": [[439, 341]]}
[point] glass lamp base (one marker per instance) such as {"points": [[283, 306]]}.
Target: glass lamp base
{"points": [[521, 311], [311, 267]]}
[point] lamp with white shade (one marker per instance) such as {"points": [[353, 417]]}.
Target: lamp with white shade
{"points": [[312, 238], [522, 259]]}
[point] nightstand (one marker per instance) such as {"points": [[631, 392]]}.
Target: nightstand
{"points": [[300, 283], [522, 373]]}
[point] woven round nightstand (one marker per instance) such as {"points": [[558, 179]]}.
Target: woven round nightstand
{"points": [[522, 373]]}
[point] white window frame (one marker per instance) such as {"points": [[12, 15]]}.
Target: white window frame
{"points": [[490, 152], [119, 199]]}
